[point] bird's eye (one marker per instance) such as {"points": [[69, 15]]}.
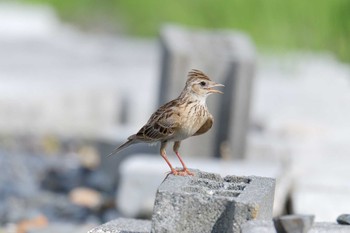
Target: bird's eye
{"points": [[202, 83]]}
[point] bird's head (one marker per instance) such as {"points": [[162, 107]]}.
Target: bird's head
{"points": [[200, 84]]}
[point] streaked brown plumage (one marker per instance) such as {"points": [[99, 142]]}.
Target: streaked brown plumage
{"points": [[179, 119]]}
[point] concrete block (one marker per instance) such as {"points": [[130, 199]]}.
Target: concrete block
{"points": [[124, 225], [208, 202], [146, 171]]}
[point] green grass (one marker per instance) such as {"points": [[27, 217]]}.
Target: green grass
{"points": [[319, 25]]}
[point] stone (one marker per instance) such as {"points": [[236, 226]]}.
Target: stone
{"points": [[89, 157], [38, 176], [21, 168], [344, 219], [58, 207], [86, 197], [39, 221], [124, 225], [25, 170], [99, 180], [293, 223], [207, 202], [110, 214], [51, 205], [60, 180]]}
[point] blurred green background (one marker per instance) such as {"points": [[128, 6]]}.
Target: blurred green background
{"points": [[277, 25]]}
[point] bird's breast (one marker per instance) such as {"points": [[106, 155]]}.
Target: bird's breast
{"points": [[191, 122]]}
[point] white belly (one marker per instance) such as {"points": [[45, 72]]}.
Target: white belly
{"points": [[187, 132]]}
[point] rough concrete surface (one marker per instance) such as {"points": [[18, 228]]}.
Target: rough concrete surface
{"points": [[208, 202], [124, 225]]}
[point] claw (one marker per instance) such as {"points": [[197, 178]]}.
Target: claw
{"points": [[184, 172], [173, 172], [180, 172]]}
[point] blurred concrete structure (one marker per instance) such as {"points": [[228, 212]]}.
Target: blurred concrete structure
{"points": [[58, 80], [302, 102], [228, 57]]}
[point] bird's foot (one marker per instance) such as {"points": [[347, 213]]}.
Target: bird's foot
{"points": [[173, 172], [181, 172], [184, 172]]}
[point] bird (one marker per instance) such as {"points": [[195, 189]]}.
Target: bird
{"points": [[179, 119]]}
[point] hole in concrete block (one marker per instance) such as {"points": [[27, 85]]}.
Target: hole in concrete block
{"points": [[233, 186], [214, 185], [205, 191], [227, 193], [210, 176], [194, 189], [208, 183], [237, 179]]}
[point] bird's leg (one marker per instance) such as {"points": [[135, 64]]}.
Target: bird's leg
{"points": [[163, 154], [185, 170]]}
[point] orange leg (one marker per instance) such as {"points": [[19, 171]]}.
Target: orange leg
{"points": [[163, 154], [185, 170]]}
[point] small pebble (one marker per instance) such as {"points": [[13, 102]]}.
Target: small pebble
{"points": [[344, 219], [293, 223]]}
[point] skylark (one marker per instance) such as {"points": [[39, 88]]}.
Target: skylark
{"points": [[179, 119]]}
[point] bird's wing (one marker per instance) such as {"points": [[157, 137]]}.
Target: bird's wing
{"points": [[205, 127], [155, 132], [161, 125]]}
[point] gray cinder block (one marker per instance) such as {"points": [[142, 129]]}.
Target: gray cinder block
{"points": [[208, 202], [123, 225]]}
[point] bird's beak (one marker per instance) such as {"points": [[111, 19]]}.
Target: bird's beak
{"points": [[213, 84]]}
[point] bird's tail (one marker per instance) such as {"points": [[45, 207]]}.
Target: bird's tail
{"points": [[131, 140]]}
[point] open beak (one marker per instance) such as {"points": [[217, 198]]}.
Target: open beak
{"points": [[213, 84]]}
